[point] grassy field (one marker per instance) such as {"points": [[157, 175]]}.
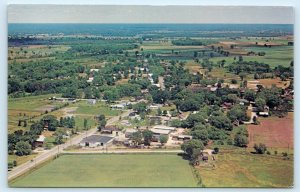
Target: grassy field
{"points": [[30, 106], [21, 159], [238, 168], [131, 170], [97, 109]]}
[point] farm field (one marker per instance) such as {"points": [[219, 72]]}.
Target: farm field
{"points": [[132, 170], [30, 106], [274, 132], [238, 168]]}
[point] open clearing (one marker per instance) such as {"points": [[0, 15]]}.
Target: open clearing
{"points": [[103, 170], [238, 168], [273, 132]]}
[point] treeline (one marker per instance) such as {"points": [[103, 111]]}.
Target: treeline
{"points": [[102, 47], [189, 41], [249, 67]]}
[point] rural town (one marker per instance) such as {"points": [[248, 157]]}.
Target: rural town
{"points": [[150, 105]]}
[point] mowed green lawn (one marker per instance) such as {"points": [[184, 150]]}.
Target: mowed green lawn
{"points": [[235, 168], [111, 170]]}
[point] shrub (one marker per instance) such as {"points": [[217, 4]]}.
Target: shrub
{"points": [[260, 148], [216, 150], [219, 142], [229, 141]]}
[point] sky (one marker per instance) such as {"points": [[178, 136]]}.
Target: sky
{"points": [[149, 14]]}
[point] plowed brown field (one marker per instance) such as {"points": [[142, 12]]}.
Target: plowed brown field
{"points": [[273, 132]]}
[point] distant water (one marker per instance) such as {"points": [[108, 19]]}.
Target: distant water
{"points": [[134, 29]]}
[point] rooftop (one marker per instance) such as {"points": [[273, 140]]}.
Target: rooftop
{"points": [[159, 131], [96, 138], [163, 127], [41, 138]]}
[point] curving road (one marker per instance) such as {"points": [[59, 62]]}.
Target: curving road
{"points": [[57, 149]]}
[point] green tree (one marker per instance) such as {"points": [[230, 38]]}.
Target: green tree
{"points": [[88, 93], [59, 136], [200, 134], [242, 75], [221, 122], [85, 122], [23, 148], [70, 92], [111, 95], [260, 148], [136, 137], [191, 146], [237, 113], [147, 134], [250, 95], [163, 139], [260, 103], [159, 112], [240, 140], [140, 107]]}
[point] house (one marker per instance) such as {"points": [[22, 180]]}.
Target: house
{"points": [[213, 89], [90, 80], [226, 105], [96, 140], [91, 101], [264, 114], [158, 132], [129, 132], [96, 70], [153, 107], [40, 141], [118, 106], [244, 102], [110, 129]]}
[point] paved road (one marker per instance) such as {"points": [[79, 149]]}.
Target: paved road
{"points": [[123, 151], [57, 149]]}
